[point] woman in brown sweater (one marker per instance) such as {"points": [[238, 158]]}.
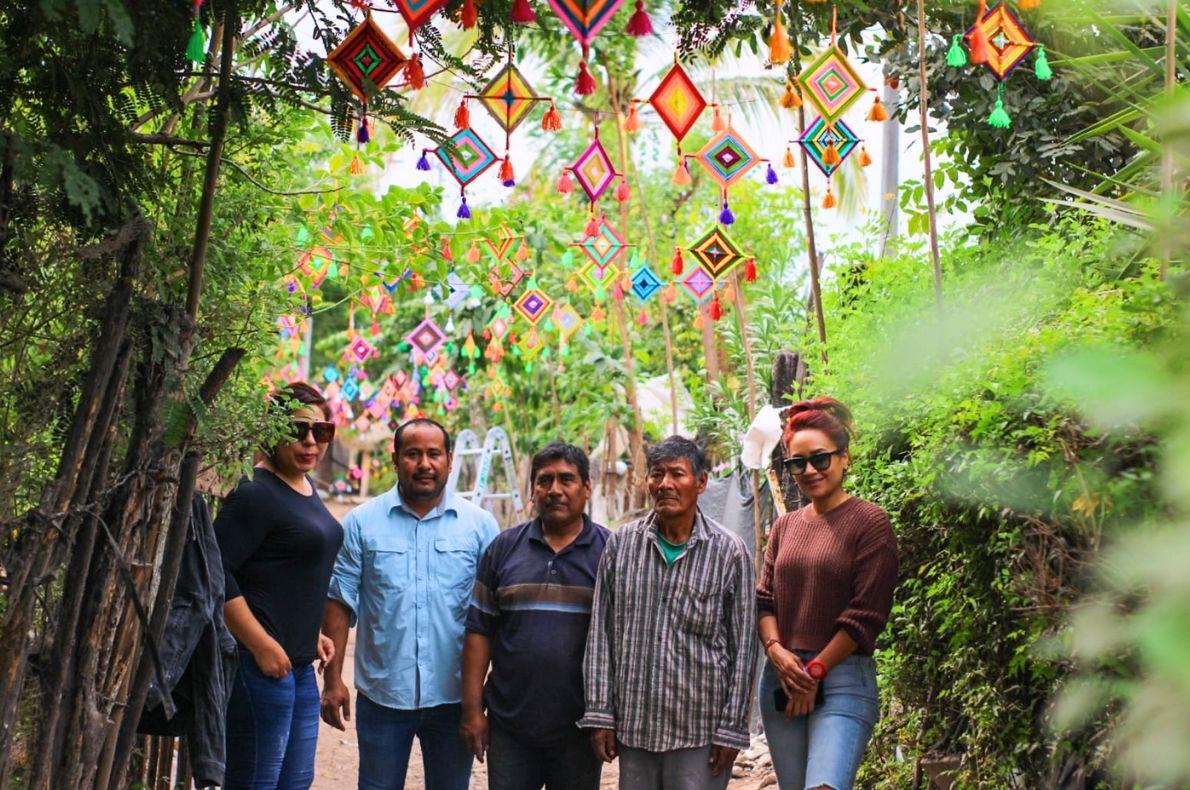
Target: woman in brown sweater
{"points": [[824, 596]]}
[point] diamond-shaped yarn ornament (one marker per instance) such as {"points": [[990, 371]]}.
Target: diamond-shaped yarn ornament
{"points": [[697, 284], [533, 305], [678, 101], [716, 253], [1008, 42], [469, 158], [645, 283], [819, 135], [426, 338], [605, 246], [360, 350], [727, 157], [366, 60], [508, 97], [567, 320], [594, 170], [598, 277], [585, 18], [316, 264], [417, 12], [831, 84]]}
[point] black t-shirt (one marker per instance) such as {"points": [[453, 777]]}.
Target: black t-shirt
{"points": [[278, 551]]}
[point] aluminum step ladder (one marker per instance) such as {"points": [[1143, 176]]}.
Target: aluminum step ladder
{"points": [[468, 449]]}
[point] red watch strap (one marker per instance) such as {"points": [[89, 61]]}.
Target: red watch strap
{"points": [[816, 669]]}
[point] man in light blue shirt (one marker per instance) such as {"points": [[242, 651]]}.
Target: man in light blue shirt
{"points": [[404, 577]]}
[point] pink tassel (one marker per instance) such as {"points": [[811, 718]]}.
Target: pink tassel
{"points": [[622, 192], [585, 84], [565, 185], [522, 13], [639, 24]]}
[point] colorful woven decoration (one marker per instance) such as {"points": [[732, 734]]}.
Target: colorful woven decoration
{"points": [[604, 246], [584, 19], [366, 61], [716, 253], [567, 320], [594, 170], [466, 157], [820, 138], [697, 284], [509, 98], [1000, 42], [426, 339], [598, 278], [645, 283], [533, 305], [728, 158], [831, 84], [678, 101], [417, 12]]}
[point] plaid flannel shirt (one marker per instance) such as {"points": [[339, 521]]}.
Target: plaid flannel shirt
{"points": [[671, 651]]}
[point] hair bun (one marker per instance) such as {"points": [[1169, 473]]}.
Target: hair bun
{"points": [[827, 405]]}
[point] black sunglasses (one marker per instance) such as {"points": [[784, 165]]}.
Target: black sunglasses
{"points": [[323, 431], [820, 460]]}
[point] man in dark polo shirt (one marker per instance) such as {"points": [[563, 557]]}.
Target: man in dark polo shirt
{"points": [[529, 616]]}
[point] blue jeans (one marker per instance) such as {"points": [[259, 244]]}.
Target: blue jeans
{"points": [[513, 765], [385, 737], [272, 729], [824, 748]]}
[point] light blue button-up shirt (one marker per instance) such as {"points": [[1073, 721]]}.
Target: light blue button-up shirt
{"points": [[407, 583]]}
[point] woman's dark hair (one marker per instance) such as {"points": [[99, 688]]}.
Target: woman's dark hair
{"points": [[678, 447], [560, 451], [296, 394], [824, 414]]}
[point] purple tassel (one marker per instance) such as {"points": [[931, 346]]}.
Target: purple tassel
{"points": [[771, 175], [292, 287], [508, 182], [362, 135], [464, 212], [725, 216], [424, 164]]}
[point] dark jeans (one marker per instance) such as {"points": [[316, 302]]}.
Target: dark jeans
{"points": [[385, 737], [272, 729], [512, 765]]}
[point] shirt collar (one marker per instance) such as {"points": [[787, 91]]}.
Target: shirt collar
{"points": [[448, 503], [698, 531], [584, 538]]}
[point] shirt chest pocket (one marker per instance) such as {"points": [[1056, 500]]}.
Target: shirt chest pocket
{"points": [[697, 610], [452, 563], [387, 559]]}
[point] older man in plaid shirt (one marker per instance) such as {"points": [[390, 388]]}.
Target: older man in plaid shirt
{"points": [[671, 651]]}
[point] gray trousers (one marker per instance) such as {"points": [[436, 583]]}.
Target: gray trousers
{"points": [[680, 769]]}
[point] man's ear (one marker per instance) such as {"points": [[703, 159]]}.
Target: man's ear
{"points": [[703, 479]]}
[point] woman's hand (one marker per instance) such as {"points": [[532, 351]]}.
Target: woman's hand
{"points": [[794, 678], [271, 659], [326, 651], [801, 704]]}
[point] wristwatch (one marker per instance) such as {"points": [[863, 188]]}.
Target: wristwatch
{"points": [[816, 669]]}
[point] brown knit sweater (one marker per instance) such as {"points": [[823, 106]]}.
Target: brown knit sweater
{"points": [[825, 573]]}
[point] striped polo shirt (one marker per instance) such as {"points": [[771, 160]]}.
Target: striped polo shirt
{"points": [[535, 607]]}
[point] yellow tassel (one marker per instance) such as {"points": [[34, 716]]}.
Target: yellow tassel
{"points": [[864, 158], [790, 99], [878, 112], [780, 50], [787, 160], [829, 201]]}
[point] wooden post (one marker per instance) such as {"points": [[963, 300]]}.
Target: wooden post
{"points": [[927, 170], [808, 214], [742, 323], [1167, 161]]}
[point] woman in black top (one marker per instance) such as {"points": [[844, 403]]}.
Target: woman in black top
{"points": [[279, 543]]}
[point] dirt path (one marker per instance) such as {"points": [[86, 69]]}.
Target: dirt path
{"points": [[337, 761]]}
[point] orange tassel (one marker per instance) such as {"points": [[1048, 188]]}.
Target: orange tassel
{"points": [[552, 120], [357, 165], [415, 75], [1028, 5], [829, 201], [864, 158], [681, 176], [878, 112], [790, 99], [473, 253], [622, 192], [468, 16], [632, 122], [592, 228], [678, 265], [462, 116], [699, 320], [750, 271], [780, 49], [717, 123], [788, 160], [831, 155], [597, 313], [506, 173], [447, 255], [978, 40]]}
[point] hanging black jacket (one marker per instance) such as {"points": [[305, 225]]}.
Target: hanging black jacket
{"points": [[198, 655]]}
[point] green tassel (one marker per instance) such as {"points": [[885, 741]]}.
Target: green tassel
{"points": [[999, 118], [1042, 67], [196, 50], [956, 56]]}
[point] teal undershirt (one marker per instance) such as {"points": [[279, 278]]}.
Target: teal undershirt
{"points": [[671, 551]]}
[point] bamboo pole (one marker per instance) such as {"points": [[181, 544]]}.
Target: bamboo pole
{"points": [[1167, 161], [927, 169], [750, 372]]}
